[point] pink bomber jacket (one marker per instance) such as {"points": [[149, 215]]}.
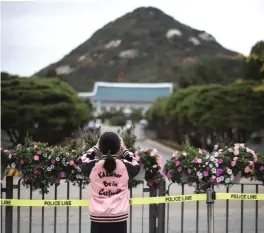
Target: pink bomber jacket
{"points": [[109, 193]]}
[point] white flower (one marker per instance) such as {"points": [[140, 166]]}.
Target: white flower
{"points": [[49, 157], [222, 178], [57, 158], [194, 184], [216, 147], [212, 158], [78, 176], [13, 165], [227, 180], [63, 160], [45, 155], [229, 171], [200, 151], [211, 165], [232, 177], [206, 163], [216, 154], [200, 177], [10, 156], [207, 156], [52, 166], [198, 173], [213, 176], [214, 170], [184, 154], [218, 179], [220, 150], [216, 165], [48, 169], [67, 153], [230, 150], [72, 171]]}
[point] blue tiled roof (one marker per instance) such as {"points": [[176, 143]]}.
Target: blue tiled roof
{"points": [[137, 94]]}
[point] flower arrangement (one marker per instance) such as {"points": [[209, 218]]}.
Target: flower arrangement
{"points": [[240, 159], [150, 162], [259, 168], [42, 166], [200, 168], [182, 167]]}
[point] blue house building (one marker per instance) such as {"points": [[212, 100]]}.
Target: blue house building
{"points": [[108, 96]]}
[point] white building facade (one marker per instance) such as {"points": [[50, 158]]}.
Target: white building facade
{"points": [[107, 96]]}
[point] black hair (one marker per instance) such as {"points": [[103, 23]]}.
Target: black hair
{"points": [[109, 144]]}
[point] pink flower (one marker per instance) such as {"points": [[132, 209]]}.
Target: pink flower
{"points": [[207, 168], [203, 150], [220, 161], [38, 152], [41, 166], [235, 158], [177, 163], [149, 183], [35, 171], [236, 152], [22, 162], [152, 153], [251, 163], [199, 160], [35, 143], [212, 180], [188, 171], [36, 158], [157, 181], [195, 161], [72, 163], [159, 160], [19, 145], [14, 153], [205, 173], [190, 185], [247, 169], [62, 174], [57, 180], [5, 150], [52, 161], [179, 169], [233, 163], [261, 168]]}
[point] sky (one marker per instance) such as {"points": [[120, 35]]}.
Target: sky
{"points": [[35, 34]]}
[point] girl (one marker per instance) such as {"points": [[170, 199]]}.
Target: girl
{"points": [[109, 193]]}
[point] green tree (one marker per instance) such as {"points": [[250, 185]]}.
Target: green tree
{"points": [[46, 109], [254, 64]]}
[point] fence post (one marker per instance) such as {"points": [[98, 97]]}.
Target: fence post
{"points": [[9, 209], [153, 211], [161, 208], [210, 197]]}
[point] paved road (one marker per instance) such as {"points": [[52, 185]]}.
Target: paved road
{"points": [[139, 220]]}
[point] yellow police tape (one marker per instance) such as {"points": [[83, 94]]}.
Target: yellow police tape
{"points": [[136, 200]]}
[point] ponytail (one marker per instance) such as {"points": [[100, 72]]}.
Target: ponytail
{"points": [[110, 163]]}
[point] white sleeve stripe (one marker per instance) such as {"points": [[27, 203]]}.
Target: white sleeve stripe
{"points": [[134, 162]]}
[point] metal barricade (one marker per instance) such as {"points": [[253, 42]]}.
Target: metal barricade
{"points": [[62, 219], [211, 216], [227, 216]]}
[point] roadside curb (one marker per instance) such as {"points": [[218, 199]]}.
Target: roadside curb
{"points": [[157, 145]]}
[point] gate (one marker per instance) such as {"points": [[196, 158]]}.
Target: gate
{"points": [[228, 216]]}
